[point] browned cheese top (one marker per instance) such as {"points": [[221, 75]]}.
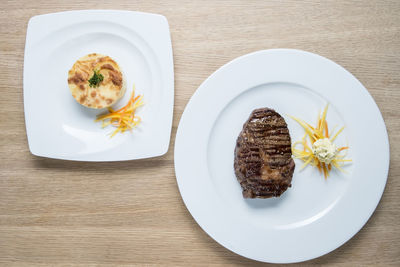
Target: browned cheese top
{"points": [[110, 90]]}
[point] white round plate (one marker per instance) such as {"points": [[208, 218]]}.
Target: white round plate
{"points": [[315, 215]]}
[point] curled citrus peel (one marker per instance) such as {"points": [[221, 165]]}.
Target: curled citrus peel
{"points": [[320, 131], [124, 118]]}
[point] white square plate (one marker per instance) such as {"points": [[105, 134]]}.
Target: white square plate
{"points": [[57, 126]]}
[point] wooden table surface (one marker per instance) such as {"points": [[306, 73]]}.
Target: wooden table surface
{"points": [[59, 213]]}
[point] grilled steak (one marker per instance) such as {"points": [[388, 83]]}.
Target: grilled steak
{"points": [[263, 155]]}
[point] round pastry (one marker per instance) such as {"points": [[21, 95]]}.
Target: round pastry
{"points": [[96, 81]]}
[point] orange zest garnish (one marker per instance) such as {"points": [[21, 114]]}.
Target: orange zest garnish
{"points": [[124, 118], [321, 131]]}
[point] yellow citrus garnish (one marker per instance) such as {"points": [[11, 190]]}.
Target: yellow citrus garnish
{"points": [[123, 118], [322, 152]]}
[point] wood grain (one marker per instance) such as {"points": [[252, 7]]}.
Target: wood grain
{"points": [[72, 213]]}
